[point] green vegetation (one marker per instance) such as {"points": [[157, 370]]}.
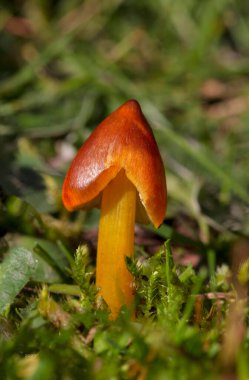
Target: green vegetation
{"points": [[65, 65]]}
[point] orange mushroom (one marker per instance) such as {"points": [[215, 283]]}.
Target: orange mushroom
{"points": [[120, 170]]}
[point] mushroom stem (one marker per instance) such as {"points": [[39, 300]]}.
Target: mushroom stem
{"points": [[115, 242]]}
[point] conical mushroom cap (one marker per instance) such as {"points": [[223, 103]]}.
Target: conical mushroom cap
{"points": [[124, 140]]}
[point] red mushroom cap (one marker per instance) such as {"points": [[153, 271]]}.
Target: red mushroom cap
{"points": [[124, 140]]}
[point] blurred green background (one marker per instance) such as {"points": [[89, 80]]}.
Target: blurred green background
{"points": [[65, 65]]}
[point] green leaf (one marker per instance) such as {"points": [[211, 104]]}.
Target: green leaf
{"points": [[15, 272]]}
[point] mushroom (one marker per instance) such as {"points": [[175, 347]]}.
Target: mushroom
{"points": [[120, 170]]}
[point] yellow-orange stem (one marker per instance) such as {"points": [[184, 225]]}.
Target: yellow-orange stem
{"points": [[115, 242]]}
